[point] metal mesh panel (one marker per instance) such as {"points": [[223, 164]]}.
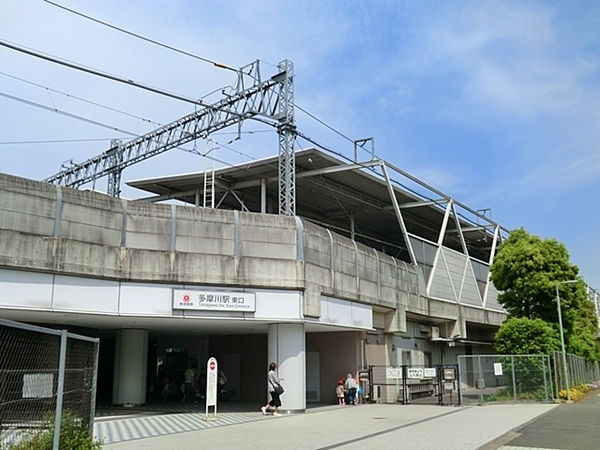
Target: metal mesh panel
{"points": [[505, 378], [30, 380], [579, 370], [79, 390]]}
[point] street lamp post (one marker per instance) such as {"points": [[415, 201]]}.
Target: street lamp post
{"points": [[562, 338]]}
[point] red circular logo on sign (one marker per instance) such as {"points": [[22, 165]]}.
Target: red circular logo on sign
{"points": [[186, 298], [212, 365]]}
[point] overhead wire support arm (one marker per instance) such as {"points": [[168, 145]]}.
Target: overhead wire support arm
{"points": [[260, 101]]}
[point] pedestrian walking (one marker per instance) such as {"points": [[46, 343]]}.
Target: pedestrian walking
{"points": [[340, 392], [275, 390], [351, 386]]}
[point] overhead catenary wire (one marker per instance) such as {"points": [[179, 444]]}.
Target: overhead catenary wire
{"points": [[55, 141], [371, 169], [66, 94], [324, 124], [138, 36], [96, 72], [225, 146], [127, 81], [196, 102], [66, 141], [192, 55], [67, 114], [150, 88]]}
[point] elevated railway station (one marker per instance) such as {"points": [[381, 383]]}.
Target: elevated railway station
{"points": [[368, 272]]}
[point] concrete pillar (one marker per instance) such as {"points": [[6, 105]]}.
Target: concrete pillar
{"points": [[263, 195], [131, 360], [287, 348]]}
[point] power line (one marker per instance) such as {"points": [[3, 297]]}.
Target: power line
{"points": [[129, 82], [80, 99], [64, 113], [96, 72], [56, 141], [321, 146], [323, 123], [152, 41], [240, 132]]}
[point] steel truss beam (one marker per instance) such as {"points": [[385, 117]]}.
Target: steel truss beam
{"points": [[270, 101], [287, 136]]}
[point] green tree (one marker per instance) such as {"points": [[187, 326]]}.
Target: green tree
{"points": [[526, 271], [524, 336], [582, 339]]}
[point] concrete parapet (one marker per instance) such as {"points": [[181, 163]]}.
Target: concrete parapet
{"points": [[59, 230]]}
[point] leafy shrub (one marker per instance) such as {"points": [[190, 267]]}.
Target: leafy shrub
{"points": [[577, 392], [74, 435], [507, 395]]}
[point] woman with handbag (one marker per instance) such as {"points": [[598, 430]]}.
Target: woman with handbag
{"points": [[275, 390]]}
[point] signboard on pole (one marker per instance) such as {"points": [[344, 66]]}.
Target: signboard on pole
{"points": [[393, 372], [429, 372], [414, 372], [498, 369], [212, 369]]}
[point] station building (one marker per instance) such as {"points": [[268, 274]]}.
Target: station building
{"points": [[375, 268]]}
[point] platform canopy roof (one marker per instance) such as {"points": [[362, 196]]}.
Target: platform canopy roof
{"points": [[350, 198]]}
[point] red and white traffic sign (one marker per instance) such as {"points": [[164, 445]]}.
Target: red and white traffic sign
{"points": [[211, 384]]}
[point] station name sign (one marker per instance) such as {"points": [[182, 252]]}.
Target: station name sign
{"points": [[233, 301]]}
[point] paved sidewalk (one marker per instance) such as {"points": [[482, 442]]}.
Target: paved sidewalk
{"points": [[350, 428]]}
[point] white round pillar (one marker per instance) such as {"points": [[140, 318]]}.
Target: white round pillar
{"points": [[287, 348], [131, 360]]}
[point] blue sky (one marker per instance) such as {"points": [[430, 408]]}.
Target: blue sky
{"points": [[496, 103]]}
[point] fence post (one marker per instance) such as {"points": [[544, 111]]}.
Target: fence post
{"points": [[458, 384], [514, 383], [405, 394], [545, 378], [479, 379], [461, 362], [94, 388], [556, 374], [61, 389]]}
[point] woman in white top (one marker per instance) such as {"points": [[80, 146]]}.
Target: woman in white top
{"points": [[272, 383]]}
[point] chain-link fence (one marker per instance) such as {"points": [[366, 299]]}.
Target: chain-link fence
{"points": [[579, 370], [44, 372], [505, 378]]}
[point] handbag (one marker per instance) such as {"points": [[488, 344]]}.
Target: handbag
{"points": [[279, 389]]}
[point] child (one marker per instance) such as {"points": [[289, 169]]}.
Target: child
{"points": [[340, 393]]}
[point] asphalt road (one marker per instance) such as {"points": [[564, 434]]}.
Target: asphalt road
{"points": [[568, 427]]}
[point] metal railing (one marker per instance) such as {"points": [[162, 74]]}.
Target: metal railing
{"points": [[413, 384], [44, 372]]}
